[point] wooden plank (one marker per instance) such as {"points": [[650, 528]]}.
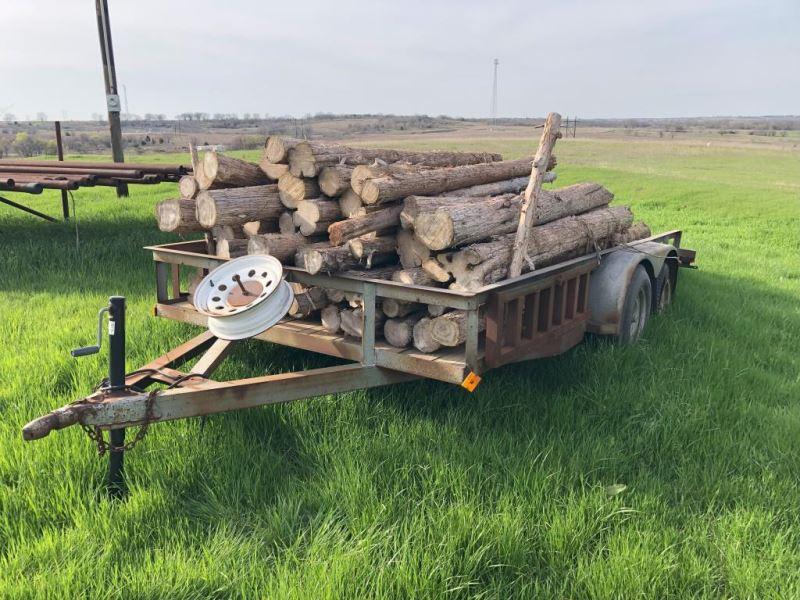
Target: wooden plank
{"points": [[212, 358]]}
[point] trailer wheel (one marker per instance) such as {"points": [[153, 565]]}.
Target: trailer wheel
{"points": [[637, 307], [664, 289]]}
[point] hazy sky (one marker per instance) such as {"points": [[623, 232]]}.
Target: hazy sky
{"points": [[612, 58]]}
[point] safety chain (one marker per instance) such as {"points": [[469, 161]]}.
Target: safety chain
{"points": [[96, 434]]}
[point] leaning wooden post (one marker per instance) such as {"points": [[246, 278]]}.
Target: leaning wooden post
{"points": [[550, 134]]}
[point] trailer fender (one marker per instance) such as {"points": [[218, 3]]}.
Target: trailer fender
{"points": [[609, 282]]}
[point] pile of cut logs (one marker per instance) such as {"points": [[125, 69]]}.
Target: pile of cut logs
{"points": [[441, 219]]}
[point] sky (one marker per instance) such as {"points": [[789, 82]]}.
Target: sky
{"points": [[609, 58]]}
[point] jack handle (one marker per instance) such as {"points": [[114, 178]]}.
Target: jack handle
{"points": [[87, 350]]}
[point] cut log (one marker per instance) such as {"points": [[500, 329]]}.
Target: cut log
{"points": [[228, 232], [362, 173], [400, 332], [294, 189], [481, 264], [508, 186], [178, 216], [309, 158], [413, 276], [380, 220], [276, 148], [335, 296], [237, 206], [446, 222], [231, 248], [637, 231], [322, 258], [397, 308], [335, 180], [423, 340], [466, 222], [364, 248], [308, 228], [436, 181], [311, 212], [331, 321], [350, 205], [435, 310], [257, 227], [286, 222], [188, 186], [194, 282], [352, 322], [225, 171], [284, 247], [413, 253], [307, 302], [528, 209], [450, 329], [273, 170], [436, 270]]}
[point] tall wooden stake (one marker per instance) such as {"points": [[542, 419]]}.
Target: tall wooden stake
{"points": [[550, 134], [112, 97], [60, 151]]}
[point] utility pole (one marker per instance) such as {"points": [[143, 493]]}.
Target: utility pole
{"points": [[494, 94], [112, 96]]}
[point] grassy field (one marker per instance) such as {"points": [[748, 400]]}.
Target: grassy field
{"points": [[423, 490]]}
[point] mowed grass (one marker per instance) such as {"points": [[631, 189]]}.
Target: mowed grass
{"points": [[423, 490]]}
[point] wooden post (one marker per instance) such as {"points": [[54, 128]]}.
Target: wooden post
{"points": [[549, 136], [60, 150]]}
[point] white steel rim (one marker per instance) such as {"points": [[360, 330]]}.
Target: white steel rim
{"points": [[244, 296]]}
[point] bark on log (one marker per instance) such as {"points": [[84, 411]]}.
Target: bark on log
{"points": [[480, 264], [362, 173], [322, 258], [637, 231], [436, 181], [309, 158], [349, 229], [231, 248], [422, 336], [284, 247], [335, 296], [307, 302], [413, 276], [413, 253], [450, 329], [397, 308], [372, 273], [400, 332], [225, 171], [335, 180], [178, 216], [194, 282], [188, 186], [331, 321], [276, 148], [237, 206], [294, 189]]}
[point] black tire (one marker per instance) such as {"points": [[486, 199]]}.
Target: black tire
{"points": [[636, 308], [665, 288]]}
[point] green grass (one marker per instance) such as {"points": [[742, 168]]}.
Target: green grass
{"points": [[423, 490]]}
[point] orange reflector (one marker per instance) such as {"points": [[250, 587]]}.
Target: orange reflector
{"points": [[471, 381]]}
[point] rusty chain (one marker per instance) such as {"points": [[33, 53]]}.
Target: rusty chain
{"points": [[96, 434]]}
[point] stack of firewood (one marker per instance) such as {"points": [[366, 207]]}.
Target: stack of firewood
{"points": [[442, 219]]}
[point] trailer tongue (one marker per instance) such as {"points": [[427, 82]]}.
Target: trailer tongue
{"points": [[542, 313]]}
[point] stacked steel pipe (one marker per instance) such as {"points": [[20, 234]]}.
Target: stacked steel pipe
{"points": [[440, 219], [32, 176]]}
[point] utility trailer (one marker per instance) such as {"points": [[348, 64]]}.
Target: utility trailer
{"points": [[542, 313]]}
